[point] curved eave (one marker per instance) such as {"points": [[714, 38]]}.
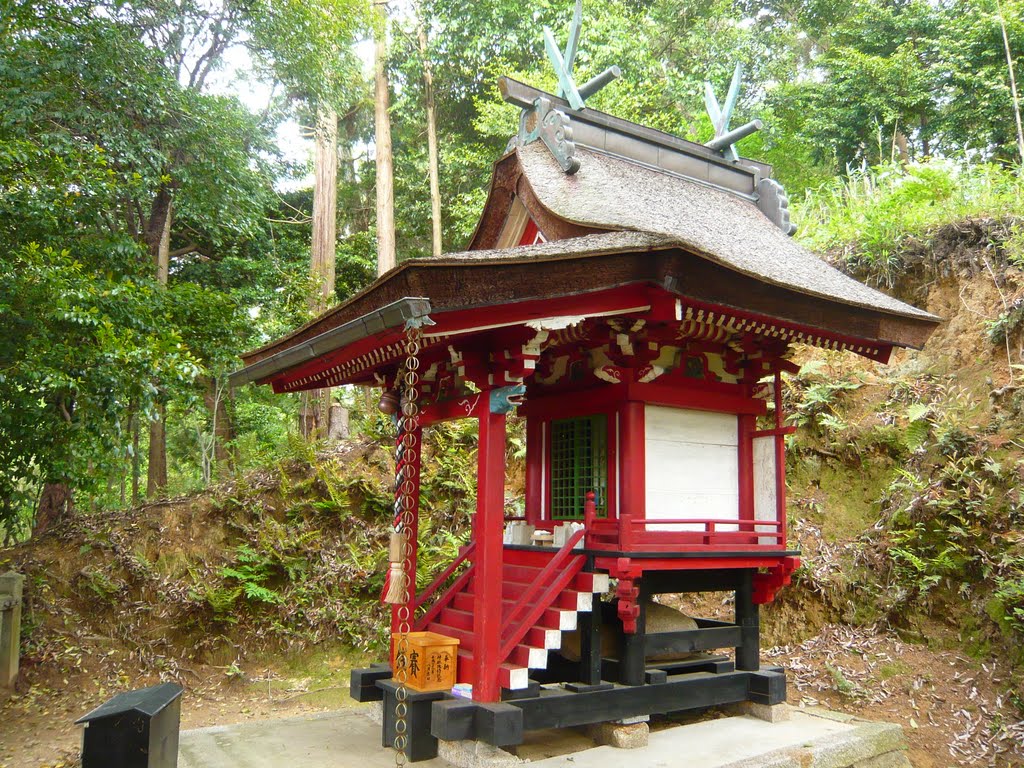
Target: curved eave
{"points": [[554, 272], [392, 317]]}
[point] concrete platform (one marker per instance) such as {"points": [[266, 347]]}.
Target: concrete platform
{"points": [[808, 739], [345, 739], [348, 739]]}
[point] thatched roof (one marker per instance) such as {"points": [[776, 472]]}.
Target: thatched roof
{"points": [[613, 193]]}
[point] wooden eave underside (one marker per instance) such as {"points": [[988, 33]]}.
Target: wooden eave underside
{"points": [[516, 290]]}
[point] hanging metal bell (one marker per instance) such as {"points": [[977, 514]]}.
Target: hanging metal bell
{"points": [[388, 402]]}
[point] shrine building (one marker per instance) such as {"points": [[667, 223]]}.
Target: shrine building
{"points": [[635, 298]]}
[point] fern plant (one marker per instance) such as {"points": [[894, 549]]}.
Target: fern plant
{"points": [[252, 571]]}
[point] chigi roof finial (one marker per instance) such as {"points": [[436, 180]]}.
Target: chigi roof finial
{"points": [[720, 116], [563, 64], [542, 120]]}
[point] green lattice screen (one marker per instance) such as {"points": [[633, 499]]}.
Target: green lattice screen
{"points": [[579, 463]]}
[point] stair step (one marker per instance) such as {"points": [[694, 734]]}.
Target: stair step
{"points": [[562, 615], [595, 583], [571, 600], [451, 617], [567, 600], [466, 667], [528, 656], [512, 677], [539, 637], [521, 574], [464, 637], [536, 637], [518, 578]]}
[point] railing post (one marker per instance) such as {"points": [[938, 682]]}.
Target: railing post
{"points": [[487, 532]]}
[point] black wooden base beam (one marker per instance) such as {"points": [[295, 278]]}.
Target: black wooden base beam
{"points": [[362, 683], [498, 724], [767, 686]]}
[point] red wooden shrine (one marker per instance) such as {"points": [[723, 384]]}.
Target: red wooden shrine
{"points": [[636, 298]]}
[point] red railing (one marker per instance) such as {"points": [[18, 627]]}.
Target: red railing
{"points": [[531, 604], [628, 533], [746, 531], [464, 554]]}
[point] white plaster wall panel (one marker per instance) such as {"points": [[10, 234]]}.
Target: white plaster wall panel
{"points": [[691, 467], [765, 489]]}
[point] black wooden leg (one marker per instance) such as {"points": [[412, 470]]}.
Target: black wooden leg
{"points": [[634, 652], [748, 655], [590, 644], [420, 743]]}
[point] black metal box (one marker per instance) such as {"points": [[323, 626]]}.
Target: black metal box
{"points": [[137, 729]]}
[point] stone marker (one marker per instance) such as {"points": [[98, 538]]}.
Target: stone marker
{"points": [[10, 626]]}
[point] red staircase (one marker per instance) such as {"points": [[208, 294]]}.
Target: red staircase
{"points": [[542, 594]]}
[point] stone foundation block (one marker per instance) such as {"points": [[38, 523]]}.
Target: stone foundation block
{"points": [[859, 745], [888, 760], [475, 754], [770, 713], [634, 720], [634, 736]]}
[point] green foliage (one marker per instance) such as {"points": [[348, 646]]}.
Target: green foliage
{"points": [[1008, 600], [949, 514], [815, 394], [252, 571], [872, 219], [220, 599], [79, 348]]}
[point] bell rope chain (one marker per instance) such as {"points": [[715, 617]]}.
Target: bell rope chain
{"points": [[407, 464]]}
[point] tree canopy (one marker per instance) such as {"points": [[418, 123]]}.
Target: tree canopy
{"points": [[120, 140]]}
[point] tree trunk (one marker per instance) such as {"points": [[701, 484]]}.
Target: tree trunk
{"points": [[315, 405], [1013, 83], [136, 459], [382, 132], [55, 503], [156, 475], [160, 249], [325, 208], [899, 141], [358, 217], [432, 159], [216, 395]]}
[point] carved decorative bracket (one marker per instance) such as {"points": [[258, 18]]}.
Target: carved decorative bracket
{"points": [[552, 127]]}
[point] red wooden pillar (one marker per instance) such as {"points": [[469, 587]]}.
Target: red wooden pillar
{"points": [[535, 451], [745, 460], [488, 528], [409, 463], [632, 470], [780, 460]]}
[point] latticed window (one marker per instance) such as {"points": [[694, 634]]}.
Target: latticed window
{"points": [[579, 463]]}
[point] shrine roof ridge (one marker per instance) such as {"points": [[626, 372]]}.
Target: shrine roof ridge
{"points": [[601, 132]]}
